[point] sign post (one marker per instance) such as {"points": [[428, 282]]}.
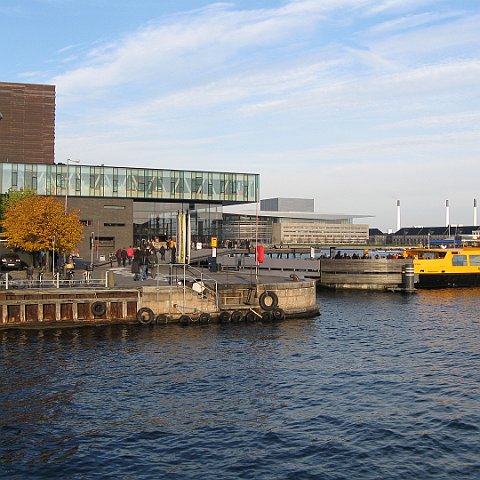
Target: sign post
{"points": [[92, 241]]}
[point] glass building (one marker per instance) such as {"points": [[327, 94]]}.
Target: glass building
{"points": [[88, 181], [114, 198]]}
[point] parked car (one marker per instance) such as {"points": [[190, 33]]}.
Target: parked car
{"points": [[10, 261]]}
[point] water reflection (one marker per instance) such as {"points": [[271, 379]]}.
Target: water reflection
{"points": [[376, 381]]}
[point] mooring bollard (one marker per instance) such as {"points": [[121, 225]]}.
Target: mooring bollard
{"points": [[110, 279], [408, 277]]}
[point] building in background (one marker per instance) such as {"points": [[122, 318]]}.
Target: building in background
{"points": [[287, 205], [27, 127], [433, 236], [296, 224]]}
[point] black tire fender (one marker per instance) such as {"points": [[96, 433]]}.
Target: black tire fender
{"points": [[204, 318], [145, 316], [278, 314], [185, 320], [99, 309], [224, 316], [251, 316], [236, 316], [265, 304], [162, 319]]}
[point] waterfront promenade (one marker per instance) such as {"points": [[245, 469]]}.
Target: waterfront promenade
{"points": [[170, 293]]}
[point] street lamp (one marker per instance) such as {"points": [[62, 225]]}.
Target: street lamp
{"points": [[68, 181]]}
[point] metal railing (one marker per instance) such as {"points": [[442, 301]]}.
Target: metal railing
{"points": [[55, 281], [190, 278]]}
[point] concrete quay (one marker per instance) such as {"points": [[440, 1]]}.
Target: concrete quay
{"points": [[199, 296], [354, 274]]}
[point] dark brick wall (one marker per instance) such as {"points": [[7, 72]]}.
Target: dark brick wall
{"points": [[108, 217], [27, 130]]}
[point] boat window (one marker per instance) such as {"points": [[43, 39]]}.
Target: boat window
{"points": [[475, 260], [431, 255], [459, 260]]}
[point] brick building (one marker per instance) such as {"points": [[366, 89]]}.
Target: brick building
{"points": [[27, 127]]}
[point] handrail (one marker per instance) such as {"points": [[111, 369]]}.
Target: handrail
{"points": [[191, 277], [54, 282]]}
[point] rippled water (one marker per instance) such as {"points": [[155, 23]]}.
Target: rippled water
{"points": [[380, 386]]}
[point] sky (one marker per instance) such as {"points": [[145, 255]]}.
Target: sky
{"points": [[355, 103]]}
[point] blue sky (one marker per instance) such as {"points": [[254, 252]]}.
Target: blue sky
{"points": [[355, 103]]}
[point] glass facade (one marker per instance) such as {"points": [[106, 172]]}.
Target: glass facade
{"points": [[136, 183], [159, 220]]}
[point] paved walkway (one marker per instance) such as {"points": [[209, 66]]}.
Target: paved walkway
{"points": [[123, 277], [162, 273]]}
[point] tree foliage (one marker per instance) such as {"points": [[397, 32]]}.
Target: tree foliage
{"points": [[30, 222], [11, 197]]}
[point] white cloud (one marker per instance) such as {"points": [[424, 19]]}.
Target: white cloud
{"points": [[216, 32], [362, 93]]}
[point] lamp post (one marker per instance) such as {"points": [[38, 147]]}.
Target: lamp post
{"points": [[53, 256], [68, 182]]}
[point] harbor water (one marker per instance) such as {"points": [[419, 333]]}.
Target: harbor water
{"points": [[379, 386]]}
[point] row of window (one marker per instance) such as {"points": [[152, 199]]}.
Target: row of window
{"points": [[129, 182], [463, 260], [89, 223]]}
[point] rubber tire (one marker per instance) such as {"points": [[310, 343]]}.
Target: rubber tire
{"points": [[224, 317], [162, 319], [278, 314], [185, 320], [99, 309], [236, 317], [264, 304], [142, 319], [267, 316], [250, 317], [204, 318]]}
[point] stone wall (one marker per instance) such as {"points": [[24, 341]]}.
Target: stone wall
{"points": [[294, 298]]}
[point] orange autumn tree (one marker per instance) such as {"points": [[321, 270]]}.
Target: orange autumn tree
{"points": [[30, 222]]}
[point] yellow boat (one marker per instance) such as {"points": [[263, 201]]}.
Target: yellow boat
{"points": [[446, 267]]}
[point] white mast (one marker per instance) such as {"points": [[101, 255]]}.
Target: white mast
{"points": [[398, 215], [447, 214], [475, 212]]}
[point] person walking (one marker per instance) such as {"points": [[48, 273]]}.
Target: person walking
{"points": [[130, 253], [152, 261], [118, 254], [136, 265], [123, 255], [143, 264]]}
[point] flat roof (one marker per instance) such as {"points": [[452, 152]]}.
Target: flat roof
{"points": [[296, 215]]}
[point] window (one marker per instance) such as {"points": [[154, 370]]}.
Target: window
{"points": [[475, 260], [459, 260], [86, 223], [107, 242], [113, 224], [115, 207]]}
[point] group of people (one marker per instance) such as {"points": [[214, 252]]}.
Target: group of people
{"points": [[354, 255], [143, 258], [365, 255]]}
